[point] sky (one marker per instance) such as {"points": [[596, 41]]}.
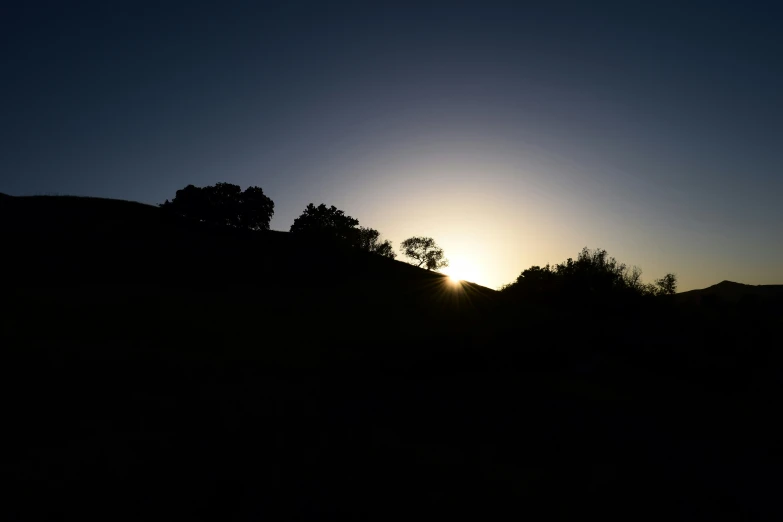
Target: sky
{"points": [[513, 133]]}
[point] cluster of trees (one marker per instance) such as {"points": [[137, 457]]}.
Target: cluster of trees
{"points": [[333, 224], [592, 273], [227, 204]]}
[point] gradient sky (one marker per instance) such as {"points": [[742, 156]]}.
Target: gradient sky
{"points": [[512, 133]]}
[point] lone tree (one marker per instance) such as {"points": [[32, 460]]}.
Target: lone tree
{"points": [[667, 285], [369, 240], [224, 204], [328, 222], [424, 252]]}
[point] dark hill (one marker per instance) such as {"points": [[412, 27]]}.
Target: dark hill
{"points": [[109, 265], [162, 369], [730, 292], [93, 237]]}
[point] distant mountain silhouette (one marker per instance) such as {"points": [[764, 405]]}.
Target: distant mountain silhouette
{"points": [[731, 292]]}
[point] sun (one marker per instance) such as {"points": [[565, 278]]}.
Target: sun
{"points": [[461, 271]]}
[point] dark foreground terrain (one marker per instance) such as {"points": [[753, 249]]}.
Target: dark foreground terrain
{"points": [[161, 369]]}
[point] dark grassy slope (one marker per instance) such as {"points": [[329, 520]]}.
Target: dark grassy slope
{"points": [[111, 266], [164, 370]]}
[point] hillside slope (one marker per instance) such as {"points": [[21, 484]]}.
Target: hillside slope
{"points": [[103, 266], [161, 369]]}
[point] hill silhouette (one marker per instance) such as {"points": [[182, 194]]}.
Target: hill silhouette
{"points": [[163, 368], [731, 292], [210, 276]]}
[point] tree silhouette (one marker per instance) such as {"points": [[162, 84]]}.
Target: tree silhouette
{"points": [[593, 273], [257, 209], [224, 204], [424, 251], [327, 222], [369, 240], [667, 285], [535, 281], [333, 224]]}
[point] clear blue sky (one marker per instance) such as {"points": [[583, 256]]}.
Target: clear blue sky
{"points": [[514, 134]]}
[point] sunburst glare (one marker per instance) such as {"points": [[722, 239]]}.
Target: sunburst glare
{"points": [[462, 270]]}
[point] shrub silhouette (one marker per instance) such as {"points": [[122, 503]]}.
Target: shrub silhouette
{"points": [[424, 251], [593, 273], [224, 204], [369, 240]]}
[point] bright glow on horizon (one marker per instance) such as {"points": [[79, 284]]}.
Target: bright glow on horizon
{"points": [[462, 270]]}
